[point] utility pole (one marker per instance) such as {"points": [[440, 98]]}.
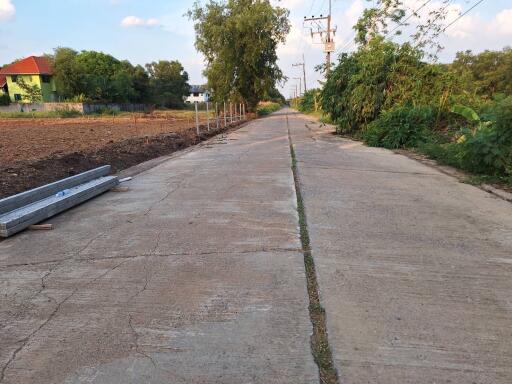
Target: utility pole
{"points": [[303, 65], [300, 84], [327, 40]]}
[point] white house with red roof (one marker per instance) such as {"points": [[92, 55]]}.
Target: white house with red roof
{"points": [[31, 71]]}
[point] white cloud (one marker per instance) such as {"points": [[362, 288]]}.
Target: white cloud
{"points": [[503, 22], [7, 10], [134, 21]]}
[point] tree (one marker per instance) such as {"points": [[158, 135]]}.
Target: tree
{"points": [[31, 92], [239, 39], [140, 81], [488, 73], [66, 72], [168, 83]]}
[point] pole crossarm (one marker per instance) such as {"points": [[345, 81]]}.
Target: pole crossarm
{"points": [[329, 32]]}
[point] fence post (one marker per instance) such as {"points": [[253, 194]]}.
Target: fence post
{"points": [[225, 117], [207, 116], [235, 111], [245, 117], [240, 110], [217, 114], [230, 113], [197, 118]]}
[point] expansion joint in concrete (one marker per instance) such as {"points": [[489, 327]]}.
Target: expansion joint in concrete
{"points": [[320, 348]]}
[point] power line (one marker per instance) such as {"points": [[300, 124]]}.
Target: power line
{"points": [[463, 14], [328, 41], [415, 12]]}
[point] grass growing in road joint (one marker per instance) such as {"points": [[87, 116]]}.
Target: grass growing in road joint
{"points": [[319, 341]]}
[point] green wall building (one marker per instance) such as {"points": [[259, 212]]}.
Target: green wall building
{"points": [[33, 71]]}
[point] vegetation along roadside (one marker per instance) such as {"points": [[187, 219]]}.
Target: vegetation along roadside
{"points": [[392, 92]]}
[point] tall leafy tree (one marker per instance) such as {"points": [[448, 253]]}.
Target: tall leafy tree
{"points": [[66, 72], [239, 39], [169, 83]]}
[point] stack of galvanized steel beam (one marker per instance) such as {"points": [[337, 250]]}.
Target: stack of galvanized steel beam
{"points": [[20, 211]]}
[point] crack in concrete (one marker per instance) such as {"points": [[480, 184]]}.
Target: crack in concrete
{"points": [[163, 255], [52, 315], [136, 337], [166, 196]]}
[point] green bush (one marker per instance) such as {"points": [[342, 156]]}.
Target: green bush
{"points": [[485, 149], [5, 99], [310, 101], [266, 108], [488, 149], [444, 153], [400, 128]]}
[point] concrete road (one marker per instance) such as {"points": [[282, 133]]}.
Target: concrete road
{"points": [[194, 276], [414, 268]]}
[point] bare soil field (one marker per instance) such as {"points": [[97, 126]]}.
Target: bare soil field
{"points": [[34, 152]]}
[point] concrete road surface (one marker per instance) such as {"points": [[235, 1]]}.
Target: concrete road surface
{"points": [[196, 275], [414, 268]]}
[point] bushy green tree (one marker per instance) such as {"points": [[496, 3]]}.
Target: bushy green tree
{"points": [[168, 83], [96, 76], [66, 72], [239, 40], [487, 73]]}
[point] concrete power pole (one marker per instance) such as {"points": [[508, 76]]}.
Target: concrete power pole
{"points": [[329, 42], [300, 84], [303, 65], [326, 36]]}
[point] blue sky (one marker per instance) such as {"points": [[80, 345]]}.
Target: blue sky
{"points": [[144, 31]]}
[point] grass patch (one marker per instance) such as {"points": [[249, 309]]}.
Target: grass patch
{"points": [[59, 113]]}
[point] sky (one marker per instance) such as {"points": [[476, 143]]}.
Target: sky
{"points": [[143, 31]]}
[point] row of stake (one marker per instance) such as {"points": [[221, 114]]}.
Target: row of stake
{"points": [[227, 118]]}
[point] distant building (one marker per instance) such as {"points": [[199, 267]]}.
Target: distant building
{"points": [[199, 94], [34, 71]]}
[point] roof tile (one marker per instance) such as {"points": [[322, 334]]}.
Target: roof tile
{"points": [[32, 65]]}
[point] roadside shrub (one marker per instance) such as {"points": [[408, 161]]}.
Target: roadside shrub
{"points": [[400, 128], [488, 148], [444, 153], [5, 99], [310, 101], [266, 108]]}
